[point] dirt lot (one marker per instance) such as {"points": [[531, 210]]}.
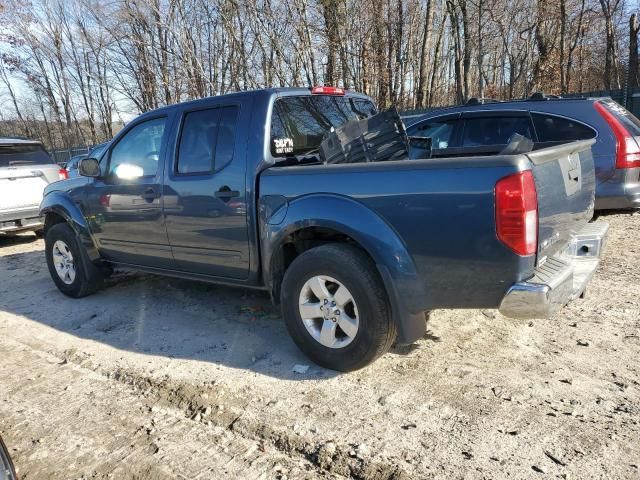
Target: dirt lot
{"points": [[160, 378]]}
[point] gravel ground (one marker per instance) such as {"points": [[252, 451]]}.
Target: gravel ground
{"points": [[161, 378]]}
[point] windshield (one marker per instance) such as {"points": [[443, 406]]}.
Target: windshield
{"points": [[18, 155], [97, 151], [298, 124]]}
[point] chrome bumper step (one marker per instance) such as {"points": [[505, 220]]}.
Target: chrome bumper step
{"points": [[560, 279]]}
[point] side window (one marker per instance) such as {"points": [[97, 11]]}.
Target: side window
{"points": [[197, 141], [494, 130], [440, 132], [557, 129], [226, 137], [207, 141], [137, 154]]}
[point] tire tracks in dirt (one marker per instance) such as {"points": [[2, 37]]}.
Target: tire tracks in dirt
{"points": [[165, 411], [103, 428]]}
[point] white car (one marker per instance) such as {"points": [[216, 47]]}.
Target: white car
{"points": [[25, 169]]}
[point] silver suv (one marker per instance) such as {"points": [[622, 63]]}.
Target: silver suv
{"points": [[25, 169]]}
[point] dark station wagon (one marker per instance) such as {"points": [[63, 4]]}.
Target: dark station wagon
{"points": [[485, 127]]}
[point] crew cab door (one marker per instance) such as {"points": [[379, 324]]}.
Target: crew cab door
{"points": [[124, 205], [204, 190]]}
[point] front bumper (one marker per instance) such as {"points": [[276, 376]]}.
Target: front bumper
{"points": [[560, 279]]}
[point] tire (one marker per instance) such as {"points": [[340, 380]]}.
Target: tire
{"points": [[337, 266], [83, 278]]}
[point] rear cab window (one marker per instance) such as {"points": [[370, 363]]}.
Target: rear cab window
{"points": [[23, 155], [299, 123], [552, 128]]}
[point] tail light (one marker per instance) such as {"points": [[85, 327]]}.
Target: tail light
{"points": [[328, 91], [63, 174], [627, 149], [517, 212]]}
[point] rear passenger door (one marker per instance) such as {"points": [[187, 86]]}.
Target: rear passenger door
{"points": [[204, 193]]}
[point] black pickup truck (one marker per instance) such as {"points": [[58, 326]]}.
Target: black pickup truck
{"points": [[231, 189]]}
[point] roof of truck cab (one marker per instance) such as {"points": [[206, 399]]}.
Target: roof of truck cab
{"points": [[285, 91]]}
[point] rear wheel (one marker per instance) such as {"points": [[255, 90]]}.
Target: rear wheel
{"points": [[336, 308], [71, 271]]}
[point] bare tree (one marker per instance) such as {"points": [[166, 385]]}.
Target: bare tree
{"points": [[610, 9], [634, 69], [74, 68]]}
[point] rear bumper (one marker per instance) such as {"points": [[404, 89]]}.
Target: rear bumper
{"points": [[560, 279], [622, 190], [25, 219]]}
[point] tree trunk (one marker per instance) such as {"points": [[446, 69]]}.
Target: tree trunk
{"points": [[466, 50], [14, 100], [634, 72], [330, 13], [480, 51], [610, 75], [424, 55], [563, 39]]}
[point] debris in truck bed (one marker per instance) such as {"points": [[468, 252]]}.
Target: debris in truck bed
{"points": [[379, 138]]}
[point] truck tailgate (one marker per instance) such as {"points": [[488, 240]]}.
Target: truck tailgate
{"points": [[565, 183]]}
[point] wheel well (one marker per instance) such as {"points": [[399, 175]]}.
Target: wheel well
{"points": [[52, 219], [298, 242]]}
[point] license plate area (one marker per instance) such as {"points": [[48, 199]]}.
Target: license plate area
{"points": [[571, 173]]}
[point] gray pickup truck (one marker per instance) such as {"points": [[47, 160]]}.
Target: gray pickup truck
{"points": [[232, 189], [25, 169]]}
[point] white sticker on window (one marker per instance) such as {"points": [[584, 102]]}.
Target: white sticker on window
{"points": [[283, 145]]}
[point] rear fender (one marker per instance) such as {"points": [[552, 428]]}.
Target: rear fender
{"points": [[60, 204], [370, 232]]}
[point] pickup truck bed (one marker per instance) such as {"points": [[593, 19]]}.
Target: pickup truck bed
{"points": [[355, 253], [426, 222]]}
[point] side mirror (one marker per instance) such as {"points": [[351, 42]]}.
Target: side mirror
{"points": [[89, 167]]}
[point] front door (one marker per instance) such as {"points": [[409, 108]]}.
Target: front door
{"points": [[205, 195], [125, 204]]}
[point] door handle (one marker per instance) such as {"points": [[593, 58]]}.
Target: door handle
{"points": [[149, 195], [226, 193]]}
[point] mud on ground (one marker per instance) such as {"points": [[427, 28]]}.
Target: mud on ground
{"points": [[161, 378]]}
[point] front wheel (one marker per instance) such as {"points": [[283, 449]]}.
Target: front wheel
{"points": [[336, 308], [73, 273]]}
